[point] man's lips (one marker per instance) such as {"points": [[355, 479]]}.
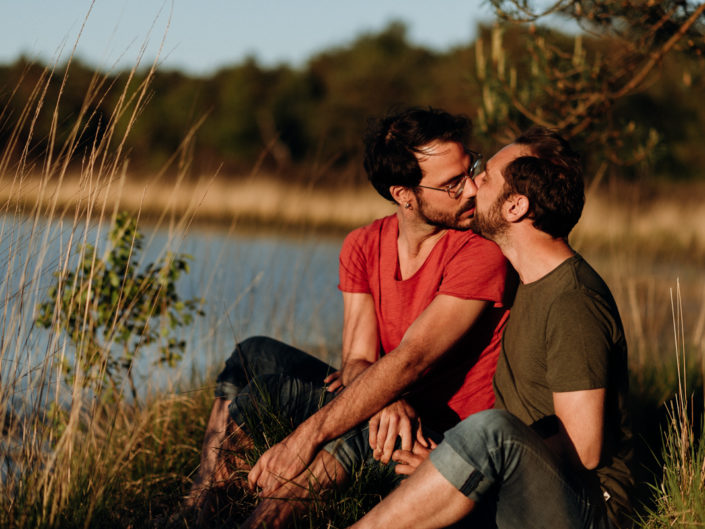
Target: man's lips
{"points": [[469, 213]]}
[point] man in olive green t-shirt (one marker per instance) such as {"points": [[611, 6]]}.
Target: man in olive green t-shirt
{"points": [[555, 451]]}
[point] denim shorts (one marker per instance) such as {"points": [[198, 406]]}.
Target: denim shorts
{"points": [[494, 457]]}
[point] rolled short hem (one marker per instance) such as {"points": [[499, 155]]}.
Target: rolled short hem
{"points": [[456, 469], [351, 449]]}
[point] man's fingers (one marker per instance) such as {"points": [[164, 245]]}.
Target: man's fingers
{"points": [[334, 386], [420, 439], [381, 436], [406, 461], [373, 428], [390, 440], [253, 476], [407, 438], [404, 470], [333, 381], [404, 457], [335, 375]]}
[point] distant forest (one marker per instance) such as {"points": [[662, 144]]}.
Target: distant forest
{"points": [[305, 124]]}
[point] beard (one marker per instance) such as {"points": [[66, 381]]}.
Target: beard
{"points": [[445, 219], [490, 225]]}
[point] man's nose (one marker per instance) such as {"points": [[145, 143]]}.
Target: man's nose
{"points": [[470, 189]]}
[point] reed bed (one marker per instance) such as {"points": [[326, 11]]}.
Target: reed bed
{"points": [[253, 200], [652, 218]]}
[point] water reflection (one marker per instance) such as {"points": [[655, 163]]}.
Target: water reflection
{"points": [[284, 286]]}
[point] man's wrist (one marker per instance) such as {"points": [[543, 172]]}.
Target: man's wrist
{"points": [[312, 430], [353, 370]]}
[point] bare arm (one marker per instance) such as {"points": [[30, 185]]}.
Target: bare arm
{"points": [[360, 339], [424, 343], [582, 414], [360, 336], [360, 351]]}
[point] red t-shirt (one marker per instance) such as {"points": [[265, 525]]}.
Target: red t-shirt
{"points": [[461, 264]]}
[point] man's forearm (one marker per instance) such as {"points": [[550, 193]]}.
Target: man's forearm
{"points": [[374, 388], [352, 369]]}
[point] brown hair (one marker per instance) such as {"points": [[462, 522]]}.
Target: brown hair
{"points": [[551, 178]]}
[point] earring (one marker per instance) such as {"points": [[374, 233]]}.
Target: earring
{"points": [[407, 205]]}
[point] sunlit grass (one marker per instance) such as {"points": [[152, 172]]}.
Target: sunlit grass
{"points": [[64, 446]]}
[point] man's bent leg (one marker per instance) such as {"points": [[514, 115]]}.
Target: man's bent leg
{"points": [[259, 356], [252, 357], [424, 500], [221, 435], [277, 510], [492, 456]]}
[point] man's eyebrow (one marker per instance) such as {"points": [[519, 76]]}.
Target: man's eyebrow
{"points": [[451, 179]]}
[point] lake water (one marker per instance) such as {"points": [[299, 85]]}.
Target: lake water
{"points": [[284, 286], [280, 285]]}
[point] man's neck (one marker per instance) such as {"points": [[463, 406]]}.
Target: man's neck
{"points": [[533, 253], [415, 234], [415, 242]]}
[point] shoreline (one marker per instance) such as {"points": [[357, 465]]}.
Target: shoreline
{"points": [[625, 217]]}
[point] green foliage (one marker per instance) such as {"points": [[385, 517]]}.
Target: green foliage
{"points": [[605, 84], [112, 307], [679, 498], [626, 89]]}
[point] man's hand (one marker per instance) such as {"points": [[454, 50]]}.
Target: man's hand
{"points": [[333, 382], [408, 460], [282, 463], [398, 419]]}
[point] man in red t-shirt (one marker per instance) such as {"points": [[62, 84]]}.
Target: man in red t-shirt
{"points": [[425, 303]]}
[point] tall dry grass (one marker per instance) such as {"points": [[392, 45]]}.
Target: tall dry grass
{"points": [[66, 451], [679, 494]]}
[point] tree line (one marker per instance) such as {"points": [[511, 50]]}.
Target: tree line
{"points": [[306, 123]]}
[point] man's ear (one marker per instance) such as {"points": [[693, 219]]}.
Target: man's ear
{"points": [[516, 207], [401, 194]]}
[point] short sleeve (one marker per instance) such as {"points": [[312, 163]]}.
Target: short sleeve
{"points": [[579, 342], [478, 270], [352, 269]]}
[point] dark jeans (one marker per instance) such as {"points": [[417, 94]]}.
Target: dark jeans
{"points": [[259, 356], [267, 379]]}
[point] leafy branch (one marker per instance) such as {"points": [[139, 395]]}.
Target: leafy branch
{"points": [[579, 85], [111, 308]]}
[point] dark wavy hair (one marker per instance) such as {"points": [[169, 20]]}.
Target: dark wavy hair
{"points": [[392, 142], [551, 178]]}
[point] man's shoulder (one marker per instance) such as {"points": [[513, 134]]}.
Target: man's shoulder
{"points": [[578, 280], [372, 232], [579, 298]]}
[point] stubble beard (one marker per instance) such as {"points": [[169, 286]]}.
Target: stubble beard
{"points": [[445, 220], [490, 225]]}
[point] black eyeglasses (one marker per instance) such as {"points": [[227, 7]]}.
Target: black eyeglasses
{"points": [[455, 190]]}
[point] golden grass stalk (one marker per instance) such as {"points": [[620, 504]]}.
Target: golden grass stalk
{"points": [[55, 437]]}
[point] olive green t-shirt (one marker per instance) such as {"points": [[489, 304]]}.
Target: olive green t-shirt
{"points": [[564, 334]]}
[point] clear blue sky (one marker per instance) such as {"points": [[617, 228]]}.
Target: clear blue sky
{"points": [[203, 35]]}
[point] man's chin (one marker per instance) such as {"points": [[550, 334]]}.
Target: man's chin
{"points": [[464, 220]]}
